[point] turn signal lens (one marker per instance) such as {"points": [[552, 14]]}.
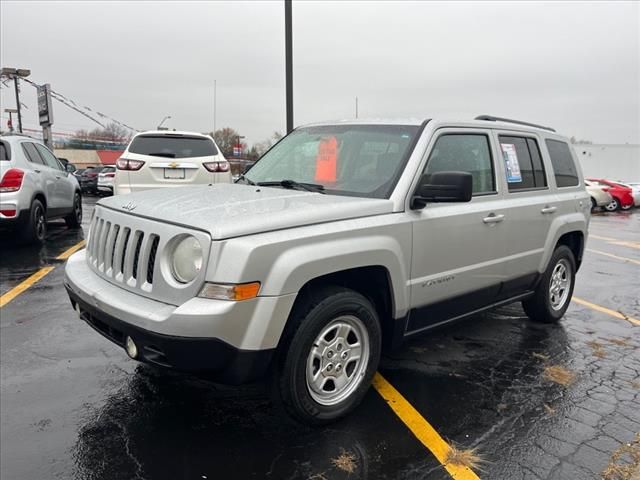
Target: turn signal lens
{"points": [[12, 180], [241, 291], [126, 164]]}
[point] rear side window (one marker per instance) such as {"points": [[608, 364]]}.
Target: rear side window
{"points": [[563, 167], [522, 163], [49, 157], [169, 146], [32, 154], [464, 153], [5, 152]]}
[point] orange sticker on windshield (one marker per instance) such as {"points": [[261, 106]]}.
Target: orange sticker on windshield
{"points": [[327, 160]]}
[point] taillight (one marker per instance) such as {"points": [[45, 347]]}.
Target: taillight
{"points": [[216, 166], [8, 213], [126, 164], [605, 189], [109, 174], [12, 180]]}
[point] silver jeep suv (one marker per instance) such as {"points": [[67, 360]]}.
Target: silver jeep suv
{"points": [[343, 239], [35, 187]]}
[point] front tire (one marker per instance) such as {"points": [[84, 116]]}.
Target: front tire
{"points": [[626, 207], [74, 220], [35, 229], [553, 294], [328, 356]]}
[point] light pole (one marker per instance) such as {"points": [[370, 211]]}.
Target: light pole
{"points": [[288, 47], [163, 120], [16, 73], [214, 106]]}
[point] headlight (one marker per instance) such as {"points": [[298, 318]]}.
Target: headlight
{"points": [[187, 259]]}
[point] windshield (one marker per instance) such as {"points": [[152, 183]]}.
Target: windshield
{"points": [[358, 160], [173, 146]]}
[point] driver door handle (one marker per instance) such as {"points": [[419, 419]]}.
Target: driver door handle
{"points": [[548, 209], [493, 218]]}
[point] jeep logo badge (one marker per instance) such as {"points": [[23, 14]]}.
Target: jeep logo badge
{"points": [[129, 206]]}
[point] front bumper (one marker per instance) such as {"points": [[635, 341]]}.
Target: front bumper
{"points": [[231, 342], [206, 356]]}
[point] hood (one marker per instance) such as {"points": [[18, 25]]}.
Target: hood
{"points": [[234, 210]]}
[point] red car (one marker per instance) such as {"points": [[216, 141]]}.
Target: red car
{"points": [[622, 196]]}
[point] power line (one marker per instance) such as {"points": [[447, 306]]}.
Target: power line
{"points": [[74, 106]]}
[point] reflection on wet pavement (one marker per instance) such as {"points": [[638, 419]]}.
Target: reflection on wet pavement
{"points": [[537, 401]]}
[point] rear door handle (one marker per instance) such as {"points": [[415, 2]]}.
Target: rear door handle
{"points": [[548, 209], [36, 170], [493, 218]]}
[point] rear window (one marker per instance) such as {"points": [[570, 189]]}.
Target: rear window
{"points": [[5, 153], [562, 161], [169, 146]]}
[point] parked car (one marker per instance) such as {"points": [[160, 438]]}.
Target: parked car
{"points": [[89, 179], [635, 191], [35, 188], [343, 238], [622, 197], [170, 159], [599, 197], [105, 180]]}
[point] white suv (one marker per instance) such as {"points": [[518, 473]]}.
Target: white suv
{"points": [[343, 238], [35, 187], [163, 158]]}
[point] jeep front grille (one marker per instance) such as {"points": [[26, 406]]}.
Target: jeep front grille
{"points": [[132, 252], [124, 254]]}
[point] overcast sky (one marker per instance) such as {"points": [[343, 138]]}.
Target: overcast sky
{"points": [[573, 65]]}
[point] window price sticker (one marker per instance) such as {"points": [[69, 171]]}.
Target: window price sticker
{"points": [[511, 165]]}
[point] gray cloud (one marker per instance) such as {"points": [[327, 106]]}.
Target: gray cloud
{"points": [[572, 65]]}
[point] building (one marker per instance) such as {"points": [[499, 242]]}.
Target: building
{"points": [[611, 161], [89, 158]]}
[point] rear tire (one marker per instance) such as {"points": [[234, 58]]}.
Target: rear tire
{"points": [[74, 220], [328, 355], [35, 229], [626, 207], [613, 206], [553, 294], [594, 205]]}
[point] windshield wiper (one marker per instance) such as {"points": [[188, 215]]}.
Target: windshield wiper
{"points": [[160, 154], [243, 177], [293, 185]]}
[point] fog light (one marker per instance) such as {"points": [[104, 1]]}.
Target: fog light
{"points": [[131, 347]]}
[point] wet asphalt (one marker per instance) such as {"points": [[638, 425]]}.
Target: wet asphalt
{"points": [[72, 405]]}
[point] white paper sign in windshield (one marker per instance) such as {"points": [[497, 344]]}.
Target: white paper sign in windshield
{"points": [[511, 165]]}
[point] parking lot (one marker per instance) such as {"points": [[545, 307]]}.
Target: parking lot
{"points": [[530, 401]]}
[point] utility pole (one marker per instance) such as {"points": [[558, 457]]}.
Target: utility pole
{"points": [[214, 107], [288, 39], [15, 84], [356, 107], [15, 74]]}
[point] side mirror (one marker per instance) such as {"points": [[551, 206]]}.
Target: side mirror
{"points": [[70, 167], [443, 187]]}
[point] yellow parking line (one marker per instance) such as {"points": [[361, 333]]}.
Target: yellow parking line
{"points": [[25, 284], [22, 286], [67, 253], [624, 259], [616, 241], [420, 428], [606, 310]]}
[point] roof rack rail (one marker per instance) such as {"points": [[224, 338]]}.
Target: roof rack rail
{"points": [[490, 118]]}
